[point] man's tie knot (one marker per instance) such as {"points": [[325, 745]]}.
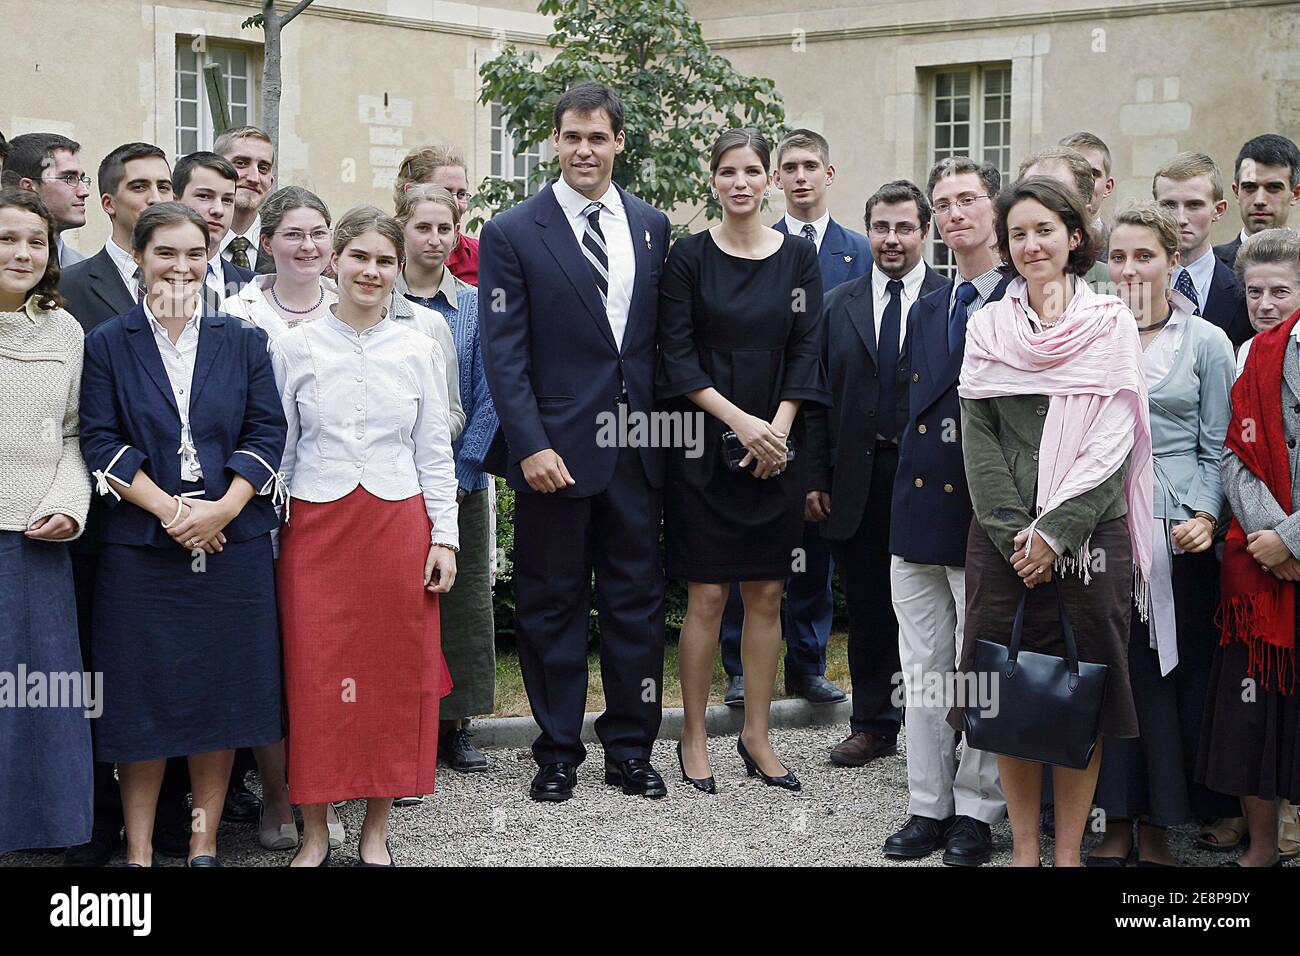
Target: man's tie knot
{"points": [[809, 233], [592, 212], [894, 287], [239, 247], [967, 293]]}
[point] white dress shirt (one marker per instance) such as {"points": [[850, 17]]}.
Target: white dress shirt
{"points": [[126, 267], [795, 227], [880, 297], [215, 278], [253, 235], [178, 360], [1202, 273], [618, 243], [367, 409]]}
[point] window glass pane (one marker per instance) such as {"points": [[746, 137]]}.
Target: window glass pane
{"points": [[238, 115], [188, 114], [189, 141], [943, 84], [961, 84], [189, 86], [236, 63], [992, 135], [496, 139], [961, 137], [943, 137], [186, 58], [943, 111], [961, 110], [238, 91]]}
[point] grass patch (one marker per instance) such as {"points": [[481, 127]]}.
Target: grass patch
{"points": [[512, 701]]}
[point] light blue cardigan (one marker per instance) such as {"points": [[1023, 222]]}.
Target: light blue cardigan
{"points": [[1190, 409]]}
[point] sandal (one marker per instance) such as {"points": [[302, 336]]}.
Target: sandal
{"points": [[1288, 831], [1224, 834]]}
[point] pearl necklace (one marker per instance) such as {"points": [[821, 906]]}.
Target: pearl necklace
{"points": [[280, 305]]}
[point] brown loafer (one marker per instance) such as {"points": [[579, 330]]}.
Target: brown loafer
{"points": [[860, 748]]}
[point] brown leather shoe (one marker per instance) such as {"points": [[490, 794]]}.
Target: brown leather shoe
{"points": [[860, 748]]}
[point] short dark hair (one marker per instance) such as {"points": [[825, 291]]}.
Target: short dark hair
{"points": [[164, 214], [587, 98], [989, 176], [1270, 149], [1064, 202], [31, 154], [113, 168], [46, 291], [186, 165], [901, 190], [733, 138]]}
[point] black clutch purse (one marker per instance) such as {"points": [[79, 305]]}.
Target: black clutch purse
{"points": [[733, 451], [1036, 706]]}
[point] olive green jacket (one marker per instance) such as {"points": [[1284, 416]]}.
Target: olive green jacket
{"points": [[1000, 439]]}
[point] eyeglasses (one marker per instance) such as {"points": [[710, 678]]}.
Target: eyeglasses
{"points": [[71, 180], [297, 235], [904, 229], [943, 206]]}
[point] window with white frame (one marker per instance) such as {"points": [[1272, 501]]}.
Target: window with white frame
{"points": [[509, 161], [970, 115], [193, 117]]}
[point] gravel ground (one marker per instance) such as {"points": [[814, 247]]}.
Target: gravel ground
{"points": [[841, 817]]}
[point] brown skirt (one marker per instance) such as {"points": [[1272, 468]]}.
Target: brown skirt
{"points": [[1100, 612]]}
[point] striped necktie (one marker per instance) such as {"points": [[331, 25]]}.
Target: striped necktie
{"points": [[1185, 285], [597, 254]]}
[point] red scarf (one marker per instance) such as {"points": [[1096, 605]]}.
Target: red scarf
{"points": [[1256, 608]]}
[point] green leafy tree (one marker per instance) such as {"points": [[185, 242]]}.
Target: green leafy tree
{"points": [[677, 96]]}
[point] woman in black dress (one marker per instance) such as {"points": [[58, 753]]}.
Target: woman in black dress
{"points": [[739, 326]]}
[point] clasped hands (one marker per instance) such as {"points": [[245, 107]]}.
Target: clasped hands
{"points": [[199, 524], [1034, 565], [1272, 555], [764, 443]]}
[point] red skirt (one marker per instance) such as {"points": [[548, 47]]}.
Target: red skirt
{"points": [[363, 665]]}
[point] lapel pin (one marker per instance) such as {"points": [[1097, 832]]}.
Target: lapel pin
{"points": [[647, 239], [848, 258]]}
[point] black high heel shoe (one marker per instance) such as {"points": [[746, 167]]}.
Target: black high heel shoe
{"points": [[707, 785], [787, 782]]}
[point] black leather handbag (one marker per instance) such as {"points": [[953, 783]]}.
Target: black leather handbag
{"points": [[1036, 706]]}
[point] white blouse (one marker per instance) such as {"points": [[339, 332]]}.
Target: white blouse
{"points": [[367, 409], [178, 360]]}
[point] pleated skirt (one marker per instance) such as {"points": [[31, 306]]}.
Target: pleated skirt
{"points": [[363, 667]]}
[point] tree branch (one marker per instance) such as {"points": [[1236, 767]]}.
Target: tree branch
{"points": [[297, 8]]}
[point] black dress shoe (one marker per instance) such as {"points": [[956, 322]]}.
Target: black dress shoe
{"points": [[919, 837], [172, 839], [204, 861], [735, 696], [361, 860], [636, 777], [788, 781], [554, 782], [970, 843], [814, 688], [103, 844], [704, 784], [460, 754], [242, 805]]}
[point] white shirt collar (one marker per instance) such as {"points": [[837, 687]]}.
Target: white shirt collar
{"points": [[1241, 236], [911, 282], [253, 235], [795, 227], [124, 262], [574, 202], [191, 323]]}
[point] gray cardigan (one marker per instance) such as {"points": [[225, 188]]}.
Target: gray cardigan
{"points": [[1251, 501], [1190, 408]]}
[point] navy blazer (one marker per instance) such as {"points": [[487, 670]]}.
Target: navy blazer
{"points": [[845, 434], [929, 524], [1225, 305], [551, 362], [129, 421], [844, 254], [1227, 253]]}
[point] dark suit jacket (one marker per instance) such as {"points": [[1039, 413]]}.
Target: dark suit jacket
{"points": [[232, 278], [1225, 305], [846, 433], [235, 410], [1227, 253], [929, 524], [94, 291], [552, 365], [844, 254]]}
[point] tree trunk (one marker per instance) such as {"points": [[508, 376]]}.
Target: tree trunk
{"points": [[271, 83]]}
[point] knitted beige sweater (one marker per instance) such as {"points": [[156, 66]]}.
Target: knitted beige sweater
{"points": [[41, 468]]}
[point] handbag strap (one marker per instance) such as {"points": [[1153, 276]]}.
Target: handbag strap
{"points": [[1067, 630]]}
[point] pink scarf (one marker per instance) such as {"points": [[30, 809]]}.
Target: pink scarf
{"points": [[1090, 364]]}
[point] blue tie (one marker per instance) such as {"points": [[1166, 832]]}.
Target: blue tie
{"points": [[887, 360], [1184, 285], [966, 294]]}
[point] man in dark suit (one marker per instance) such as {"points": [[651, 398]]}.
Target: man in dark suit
{"points": [[1266, 182], [207, 183], [1190, 186], [804, 172], [951, 803], [569, 280], [853, 451], [251, 152], [131, 178]]}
